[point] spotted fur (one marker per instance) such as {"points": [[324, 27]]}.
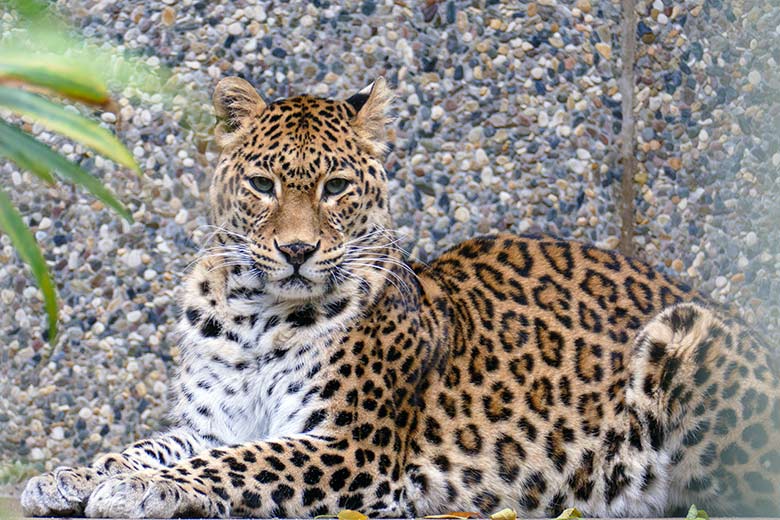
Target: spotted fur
{"points": [[320, 371]]}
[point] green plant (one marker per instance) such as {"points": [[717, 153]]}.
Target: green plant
{"points": [[695, 513], [43, 59], [16, 471], [65, 80]]}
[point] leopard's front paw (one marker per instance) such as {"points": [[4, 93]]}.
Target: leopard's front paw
{"points": [[61, 492], [150, 494]]}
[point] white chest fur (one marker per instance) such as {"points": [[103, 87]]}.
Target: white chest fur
{"points": [[260, 380]]}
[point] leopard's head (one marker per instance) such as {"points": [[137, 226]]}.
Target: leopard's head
{"points": [[300, 188]]}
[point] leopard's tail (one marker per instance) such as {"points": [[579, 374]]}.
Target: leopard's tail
{"points": [[707, 391]]}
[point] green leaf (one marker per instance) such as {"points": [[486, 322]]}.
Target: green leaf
{"points": [[18, 149], [696, 514], [54, 117], [33, 9], [55, 73], [28, 153], [24, 242]]}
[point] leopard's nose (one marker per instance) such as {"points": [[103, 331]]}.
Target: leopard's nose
{"points": [[296, 253]]}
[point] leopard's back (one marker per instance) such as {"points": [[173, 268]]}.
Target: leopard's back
{"points": [[537, 405]]}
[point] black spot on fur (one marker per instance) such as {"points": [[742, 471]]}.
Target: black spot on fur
{"points": [[699, 484], [299, 458], [193, 315], [250, 499], [338, 479], [615, 482], [265, 477], [311, 495], [755, 435], [272, 322], [556, 505], [282, 493], [758, 483], [535, 486], [725, 421], [275, 463], [314, 420], [361, 480], [331, 459], [733, 454], [682, 319], [211, 328], [335, 308], [312, 475], [302, 317]]}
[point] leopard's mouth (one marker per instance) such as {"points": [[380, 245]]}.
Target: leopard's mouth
{"points": [[296, 280], [296, 287]]}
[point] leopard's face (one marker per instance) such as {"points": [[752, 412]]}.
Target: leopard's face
{"points": [[299, 184]]}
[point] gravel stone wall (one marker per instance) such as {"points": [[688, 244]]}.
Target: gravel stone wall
{"points": [[508, 118]]}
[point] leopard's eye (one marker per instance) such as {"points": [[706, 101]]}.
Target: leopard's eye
{"points": [[262, 184], [335, 186]]}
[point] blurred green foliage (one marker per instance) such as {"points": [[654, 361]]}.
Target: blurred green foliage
{"points": [[16, 472], [44, 65]]}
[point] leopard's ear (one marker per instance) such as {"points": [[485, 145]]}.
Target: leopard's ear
{"points": [[235, 103], [371, 105]]}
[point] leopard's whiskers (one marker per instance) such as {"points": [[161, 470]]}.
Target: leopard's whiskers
{"points": [[221, 229], [394, 275]]}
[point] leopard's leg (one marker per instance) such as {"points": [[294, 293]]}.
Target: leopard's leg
{"points": [[293, 477], [65, 490], [709, 396]]}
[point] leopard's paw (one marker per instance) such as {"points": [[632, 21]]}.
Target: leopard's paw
{"points": [[149, 494], [61, 492]]}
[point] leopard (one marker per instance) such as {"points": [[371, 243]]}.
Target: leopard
{"points": [[321, 368]]}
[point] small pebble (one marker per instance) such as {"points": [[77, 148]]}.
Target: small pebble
{"points": [[37, 454], [181, 216], [462, 214], [583, 5], [168, 16]]}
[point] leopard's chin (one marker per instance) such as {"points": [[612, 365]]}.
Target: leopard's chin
{"points": [[296, 288]]}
